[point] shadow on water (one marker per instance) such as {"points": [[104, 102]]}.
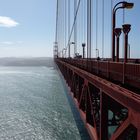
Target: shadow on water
{"points": [[80, 125]]}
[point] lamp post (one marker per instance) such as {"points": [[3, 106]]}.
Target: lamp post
{"points": [[83, 45], [129, 51], [64, 52], [117, 32], [126, 29], [123, 4], [97, 54], [55, 49], [69, 47]]}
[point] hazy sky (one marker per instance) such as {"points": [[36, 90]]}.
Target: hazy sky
{"points": [[27, 27]]}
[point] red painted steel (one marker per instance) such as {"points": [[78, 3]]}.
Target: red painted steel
{"points": [[109, 111], [126, 74]]}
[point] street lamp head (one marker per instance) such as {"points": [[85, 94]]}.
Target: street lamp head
{"points": [[83, 44], [72, 43], [127, 5], [126, 28], [123, 5], [117, 31]]}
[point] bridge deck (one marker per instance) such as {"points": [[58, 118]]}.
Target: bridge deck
{"points": [[105, 105]]}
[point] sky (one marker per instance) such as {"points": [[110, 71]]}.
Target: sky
{"points": [[27, 28]]}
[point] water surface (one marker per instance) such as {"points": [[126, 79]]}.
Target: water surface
{"points": [[34, 106]]}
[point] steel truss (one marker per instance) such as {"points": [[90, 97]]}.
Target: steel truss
{"points": [[109, 111]]}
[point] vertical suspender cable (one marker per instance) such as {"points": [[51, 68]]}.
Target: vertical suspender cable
{"points": [[56, 33], [58, 28], [68, 17], [80, 26], [84, 20], [75, 17], [59, 10], [123, 34], [68, 27], [56, 22], [84, 9], [82, 14], [56, 46], [103, 29], [111, 25], [65, 25], [96, 28], [75, 29], [89, 28]]}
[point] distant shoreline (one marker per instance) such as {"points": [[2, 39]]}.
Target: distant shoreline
{"points": [[27, 61]]}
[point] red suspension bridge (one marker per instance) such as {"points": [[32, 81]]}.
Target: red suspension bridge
{"points": [[105, 90]]}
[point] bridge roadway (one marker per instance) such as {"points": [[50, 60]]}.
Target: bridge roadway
{"points": [[109, 111]]}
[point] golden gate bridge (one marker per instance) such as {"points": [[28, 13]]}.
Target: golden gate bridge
{"points": [[105, 89]]}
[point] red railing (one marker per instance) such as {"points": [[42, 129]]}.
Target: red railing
{"points": [[127, 74]]}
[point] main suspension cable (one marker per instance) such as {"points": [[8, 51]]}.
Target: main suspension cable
{"points": [[73, 22]]}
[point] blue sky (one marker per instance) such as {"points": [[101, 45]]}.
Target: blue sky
{"points": [[27, 27]]}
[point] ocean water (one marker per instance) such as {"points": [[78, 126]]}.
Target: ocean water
{"points": [[34, 105]]}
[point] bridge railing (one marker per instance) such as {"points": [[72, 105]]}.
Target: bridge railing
{"points": [[127, 74]]}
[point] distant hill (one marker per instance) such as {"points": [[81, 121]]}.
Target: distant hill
{"points": [[33, 61]]}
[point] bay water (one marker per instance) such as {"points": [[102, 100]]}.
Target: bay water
{"points": [[34, 105]]}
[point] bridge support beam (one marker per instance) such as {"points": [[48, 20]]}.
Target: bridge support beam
{"points": [[104, 117]]}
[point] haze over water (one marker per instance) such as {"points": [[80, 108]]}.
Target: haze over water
{"points": [[34, 106]]}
